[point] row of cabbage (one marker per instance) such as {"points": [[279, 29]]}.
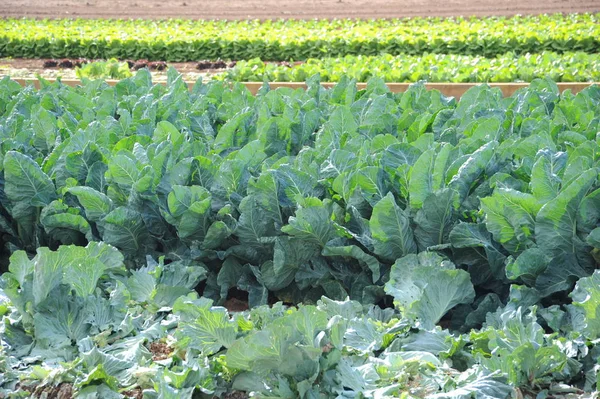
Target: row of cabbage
{"points": [[385, 215]]}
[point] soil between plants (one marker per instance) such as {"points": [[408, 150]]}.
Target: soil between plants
{"points": [[275, 9]]}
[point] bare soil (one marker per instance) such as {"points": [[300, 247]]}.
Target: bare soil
{"points": [[160, 350], [27, 68], [274, 9], [236, 395], [236, 305], [136, 393], [38, 65]]}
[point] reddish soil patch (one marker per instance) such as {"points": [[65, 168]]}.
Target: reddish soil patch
{"points": [[236, 395], [63, 390], [134, 393], [270, 9], [39, 65], [160, 350], [235, 305]]}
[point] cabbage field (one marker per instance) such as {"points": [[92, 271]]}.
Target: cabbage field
{"points": [[436, 248], [161, 241]]}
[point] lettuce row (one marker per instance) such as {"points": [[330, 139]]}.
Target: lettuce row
{"points": [[189, 40], [508, 67]]}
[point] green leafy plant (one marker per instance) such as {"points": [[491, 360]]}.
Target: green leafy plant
{"points": [[472, 224], [510, 67], [188, 40], [111, 69]]}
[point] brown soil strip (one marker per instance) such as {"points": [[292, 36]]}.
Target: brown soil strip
{"points": [[274, 9]]}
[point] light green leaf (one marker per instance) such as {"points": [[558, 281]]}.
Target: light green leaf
{"points": [[545, 175], [83, 275], [211, 331], [312, 222], [62, 223], [443, 291], [473, 167], [123, 170], [48, 271], [20, 266], [586, 296], [425, 287], [510, 217], [594, 238], [96, 204], [60, 320], [482, 386]]}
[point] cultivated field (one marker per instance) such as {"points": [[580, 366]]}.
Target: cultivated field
{"points": [[264, 9], [335, 238]]}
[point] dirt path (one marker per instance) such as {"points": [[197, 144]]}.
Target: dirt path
{"points": [[263, 9]]}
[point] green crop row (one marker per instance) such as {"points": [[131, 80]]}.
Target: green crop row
{"points": [[186, 40], [567, 67], [458, 242]]}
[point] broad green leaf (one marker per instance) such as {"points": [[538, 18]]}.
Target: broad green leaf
{"points": [[215, 235], [265, 190], [390, 227], [589, 212], [83, 275], [586, 296], [60, 320], [555, 225], [189, 207], [426, 287], [312, 222], [20, 266], [421, 179], [594, 238], [478, 385], [434, 219], [48, 272], [55, 225], [372, 183], [340, 125], [26, 185], [211, 331], [354, 252], [252, 226], [289, 255], [125, 229], [528, 265], [511, 218], [560, 275], [476, 236], [141, 285], [123, 170], [545, 175], [277, 278], [96, 204], [475, 166], [443, 291]]}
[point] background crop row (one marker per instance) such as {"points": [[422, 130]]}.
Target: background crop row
{"points": [[184, 40]]}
